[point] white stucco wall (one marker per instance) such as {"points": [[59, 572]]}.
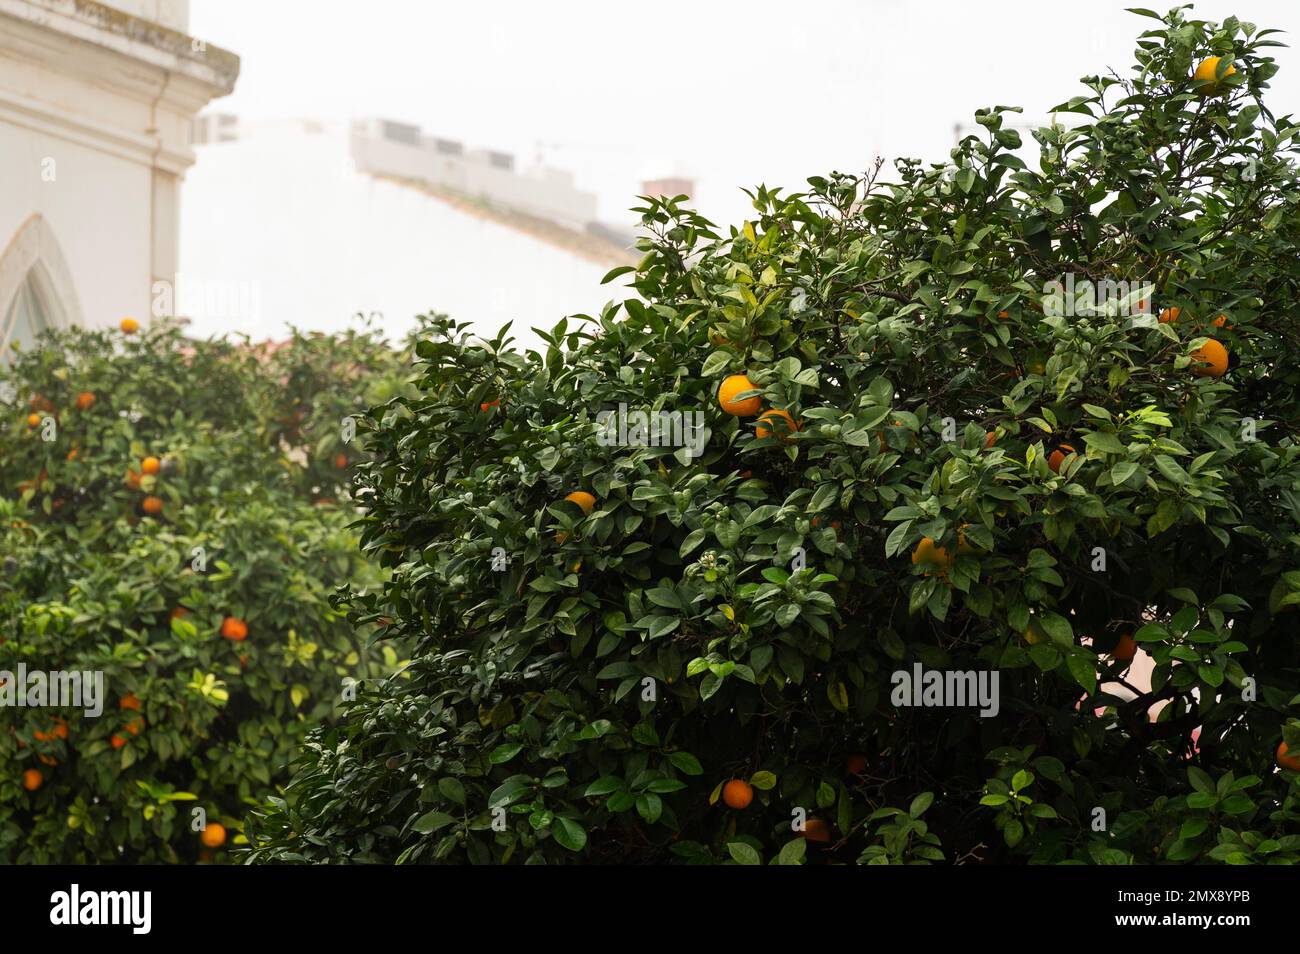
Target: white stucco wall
{"points": [[95, 112], [281, 225], [97, 207]]}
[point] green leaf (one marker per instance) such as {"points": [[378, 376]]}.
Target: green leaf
{"points": [[613, 273], [792, 852], [504, 753], [1122, 472], [920, 804], [568, 833], [432, 821], [686, 763], [1082, 669], [693, 540], [452, 789], [1104, 442], [743, 854], [508, 792], [603, 786]]}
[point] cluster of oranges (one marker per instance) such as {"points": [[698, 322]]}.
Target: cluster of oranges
{"points": [[133, 726], [1210, 360], [149, 467], [767, 426], [57, 731], [739, 794], [41, 406]]}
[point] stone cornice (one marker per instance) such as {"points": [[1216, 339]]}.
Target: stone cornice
{"points": [[167, 76], [131, 37]]}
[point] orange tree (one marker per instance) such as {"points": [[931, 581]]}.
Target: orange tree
{"points": [[167, 520], [988, 472]]}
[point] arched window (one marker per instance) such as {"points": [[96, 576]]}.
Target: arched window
{"points": [[36, 290], [25, 320]]}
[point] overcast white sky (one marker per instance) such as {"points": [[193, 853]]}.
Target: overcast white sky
{"points": [[732, 92]]}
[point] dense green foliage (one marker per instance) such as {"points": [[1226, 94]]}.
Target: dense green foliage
{"points": [[247, 440], [587, 701]]}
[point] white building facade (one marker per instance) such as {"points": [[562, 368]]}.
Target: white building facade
{"points": [[386, 147], [282, 229], [96, 107]]}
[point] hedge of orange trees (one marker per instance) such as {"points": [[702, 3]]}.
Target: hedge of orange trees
{"points": [[174, 515], [923, 455]]}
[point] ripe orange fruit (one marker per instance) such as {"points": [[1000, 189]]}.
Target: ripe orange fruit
{"points": [[856, 765], [1168, 315], [1057, 457], [134, 726], [130, 326], [152, 505], [927, 552], [583, 499], [1221, 322], [1125, 649], [737, 407], [1287, 761], [32, 779], [1002, 314], [234, 629], [814, 829], [737, 793], [1207, 71], [340, 460], [150, 465], [214, 835], [129, 701], [990, 438], [33, 420], [61, 728], [772, 429], [1210, 360], [118, 741], [132, 479], [84, 400], [488, 405], [179, 611]]}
